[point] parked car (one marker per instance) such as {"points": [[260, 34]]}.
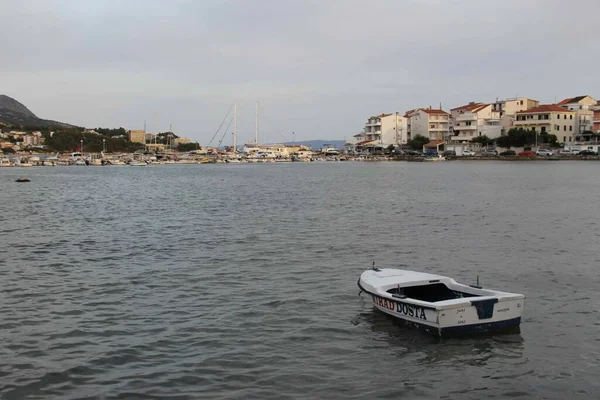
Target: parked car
{"points": [[544, 153], [431, 152], [508, 153], [527, 153], [399, 152], [449, 153], [566, 153], [587, 153], [468, 153], [489, 153], [413, 153]]}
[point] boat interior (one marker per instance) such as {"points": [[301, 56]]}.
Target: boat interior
{"points": [[431, 293]]}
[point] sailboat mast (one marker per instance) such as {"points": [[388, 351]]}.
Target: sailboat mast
{"points": [[256, 126], [235, 126]]}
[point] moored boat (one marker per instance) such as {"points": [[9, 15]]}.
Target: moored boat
{"points": [[439, 305]]}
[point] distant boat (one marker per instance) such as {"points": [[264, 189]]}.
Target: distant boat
{"points": [[137, 163], [5, 161], [329, 150], [435, 159]]}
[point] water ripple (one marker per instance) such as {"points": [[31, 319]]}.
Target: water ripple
{"points": [[227, 282]]}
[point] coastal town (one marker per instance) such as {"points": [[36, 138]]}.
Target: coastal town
{"points": [[510, 128], [569, 126]]}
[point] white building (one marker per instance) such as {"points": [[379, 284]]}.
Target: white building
{"points": [[473, 120], [431, 123], [33, 139], [584, 112], [386, 129]]}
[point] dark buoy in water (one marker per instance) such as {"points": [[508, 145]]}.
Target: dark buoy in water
{"points": [[22, 180]]}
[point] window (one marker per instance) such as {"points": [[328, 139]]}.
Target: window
{"points": [[565, 128], [543, 129], [565, 116], [432, 126], [468, 123], [557, 127], [564, 138], [570, 138], [570, 129], [571, 117], [558, 116], [521, 102]]}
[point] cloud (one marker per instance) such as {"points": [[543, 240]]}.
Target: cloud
{"points": [[319, 68]]}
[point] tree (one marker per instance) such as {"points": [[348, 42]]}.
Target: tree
{"points": [[484, 140], [188, 146], [517, 138], [552, 140], [390, 148], [418, 142]]}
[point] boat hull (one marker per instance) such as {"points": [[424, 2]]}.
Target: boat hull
{"points": [[468, 316]]}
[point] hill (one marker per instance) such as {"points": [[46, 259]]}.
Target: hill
{"points": [[318, 144], [14, 113]]}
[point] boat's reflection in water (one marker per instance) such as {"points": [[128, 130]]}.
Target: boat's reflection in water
{"points": [[406, 341]]}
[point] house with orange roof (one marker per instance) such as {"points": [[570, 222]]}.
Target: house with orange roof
{"points": [[429, 122], [584, 111], [386, 129], [548, 119], [473, 120]]}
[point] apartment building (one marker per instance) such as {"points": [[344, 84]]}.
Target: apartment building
{"points": [[596, 118], [508, 108], [431, 123], [386, 129], [474, 119], [584, 111], [548, 118]]}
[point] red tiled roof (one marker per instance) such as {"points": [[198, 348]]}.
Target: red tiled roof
{"points": [[407, 115], [434, 111], [565, 101], [481, 107], [466, 107], [381, 115], [434, 143], [570, 100], [544, 108], [364, 142]]}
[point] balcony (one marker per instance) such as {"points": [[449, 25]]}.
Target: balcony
{"points": [[373, 123], [466, 117], [461, 138], [465, 127]]}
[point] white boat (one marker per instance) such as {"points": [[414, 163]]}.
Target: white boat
{"points": [[435, 159], [5, 162], [137, 163], [116, 162], [329, 150], [439, 305]]}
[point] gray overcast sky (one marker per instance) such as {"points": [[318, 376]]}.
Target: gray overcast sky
{"points": [[318, 68]]}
